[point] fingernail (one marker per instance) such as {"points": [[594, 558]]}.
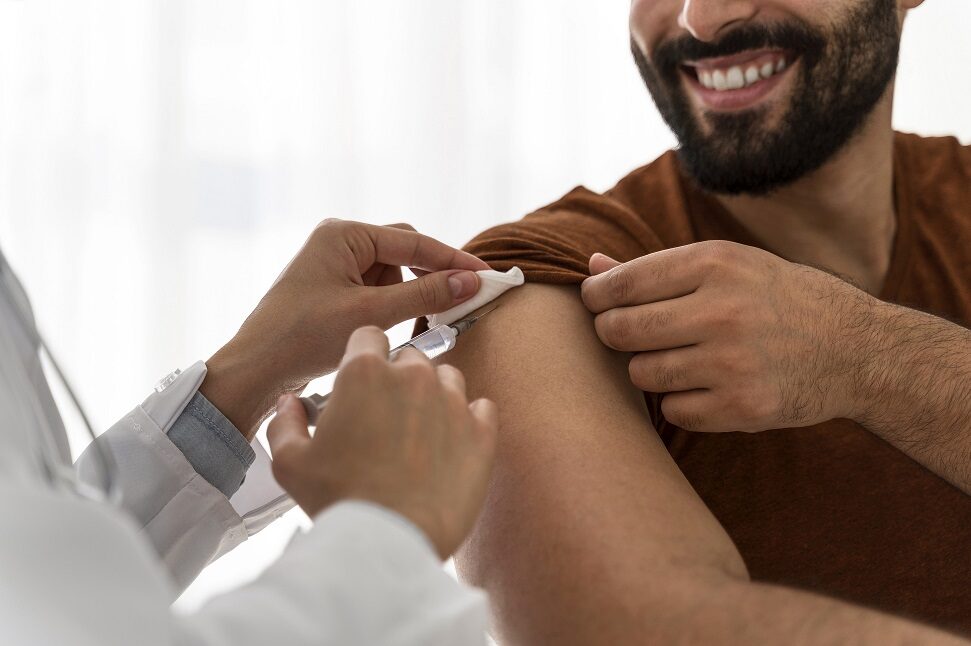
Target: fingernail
{"points": [[463, 284], [281, 401]]}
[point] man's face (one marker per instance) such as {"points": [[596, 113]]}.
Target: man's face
{"points": [[762, 92]]}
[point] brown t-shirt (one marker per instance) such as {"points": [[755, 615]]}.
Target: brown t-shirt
{"points": [[829, 508]]}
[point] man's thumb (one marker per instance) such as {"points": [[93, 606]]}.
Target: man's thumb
{"points": [[599, 263], [430, 294]]}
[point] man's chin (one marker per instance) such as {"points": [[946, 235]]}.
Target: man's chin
{"points": [[728, 172]]}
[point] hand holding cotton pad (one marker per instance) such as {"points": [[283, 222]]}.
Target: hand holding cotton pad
{"points": [[492, 285]]}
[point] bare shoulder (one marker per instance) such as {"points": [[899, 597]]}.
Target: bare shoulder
{"points": [[585, 506]]}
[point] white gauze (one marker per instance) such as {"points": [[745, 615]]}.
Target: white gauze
{"points": [[492, 285]]}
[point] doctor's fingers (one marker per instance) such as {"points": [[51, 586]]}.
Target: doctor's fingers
{"points": [[382, 275], [398, 245], [368, 343], [407, 227], [486, 414], [288, 430], [656, 326], [454, 381], [433, 293]]}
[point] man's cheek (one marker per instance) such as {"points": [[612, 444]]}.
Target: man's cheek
{"points": [[654, 21]]}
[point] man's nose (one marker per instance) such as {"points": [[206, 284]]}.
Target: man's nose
{"points": [[707, 20]]}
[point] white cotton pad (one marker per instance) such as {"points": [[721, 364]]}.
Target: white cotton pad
{"points": [[492, 285]]}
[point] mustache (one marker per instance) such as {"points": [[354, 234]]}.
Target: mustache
{"points": [[798, 38]]}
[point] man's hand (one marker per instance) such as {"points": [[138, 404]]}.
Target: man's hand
{"points": [[347, 275], [738, 338], [401, 435]]}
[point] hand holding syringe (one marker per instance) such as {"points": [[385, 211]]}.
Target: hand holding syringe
{"points": [[433, 343]]}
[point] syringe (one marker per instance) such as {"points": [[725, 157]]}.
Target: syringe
{"points": [[433, 343]]}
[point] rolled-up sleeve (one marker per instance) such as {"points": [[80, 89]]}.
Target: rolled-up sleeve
{"points": [[176, 461], [212, 445]]}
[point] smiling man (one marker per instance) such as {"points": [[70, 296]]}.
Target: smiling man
{"points": [[771, 274]]}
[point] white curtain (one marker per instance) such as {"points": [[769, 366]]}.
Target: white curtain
{"points": [[161, 160]]}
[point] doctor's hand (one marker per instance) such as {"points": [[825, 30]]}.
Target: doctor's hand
{"points": [[347, 275], [737, 338], [402, 435]]}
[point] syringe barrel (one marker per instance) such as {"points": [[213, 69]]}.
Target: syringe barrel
{"points": [[433, 343]]}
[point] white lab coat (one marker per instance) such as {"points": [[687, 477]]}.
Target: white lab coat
{"points": [[78, 572]]}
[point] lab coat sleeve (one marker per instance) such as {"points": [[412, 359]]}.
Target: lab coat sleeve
{"points": [[188, 521], [80, 573], [361, 575]]}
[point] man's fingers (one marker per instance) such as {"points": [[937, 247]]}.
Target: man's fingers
{"points": [[599, 263], [366, 341], [288, 428], [669, 371], [656, 326], [429, 294], [403, 247], [648, 279], [695, 410]]}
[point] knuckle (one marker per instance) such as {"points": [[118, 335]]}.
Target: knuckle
{"points": [[638, 369], [329, 232], [661, 273], [729, 360], [419, 375], [451, 373], [369, 330], [620, 284], [716, 255], [364, 367], [329, 225], [680, 415], [727, 316], [669, 377], [753, 406], [650, 320], [431, 293], [614, 328]]}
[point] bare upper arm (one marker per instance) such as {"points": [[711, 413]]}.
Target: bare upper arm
{"points": [[586, 509]]}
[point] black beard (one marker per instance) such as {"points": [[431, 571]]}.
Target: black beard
{"points": [[841, 77]]}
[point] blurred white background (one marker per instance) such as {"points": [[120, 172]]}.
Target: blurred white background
{"points": [[161, 160]]}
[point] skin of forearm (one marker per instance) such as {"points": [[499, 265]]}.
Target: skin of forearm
{"points": [[740, 612], [914, 389]]}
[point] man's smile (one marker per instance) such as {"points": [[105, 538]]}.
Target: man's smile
{"points": [[737, 82]]}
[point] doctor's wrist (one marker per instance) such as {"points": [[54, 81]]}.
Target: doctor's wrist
{"points": [[241, 391]]}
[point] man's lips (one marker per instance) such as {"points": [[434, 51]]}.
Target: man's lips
{"points": [[737, 82]]}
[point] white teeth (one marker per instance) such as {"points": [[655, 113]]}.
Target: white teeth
{"points": [[735, 78]]}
